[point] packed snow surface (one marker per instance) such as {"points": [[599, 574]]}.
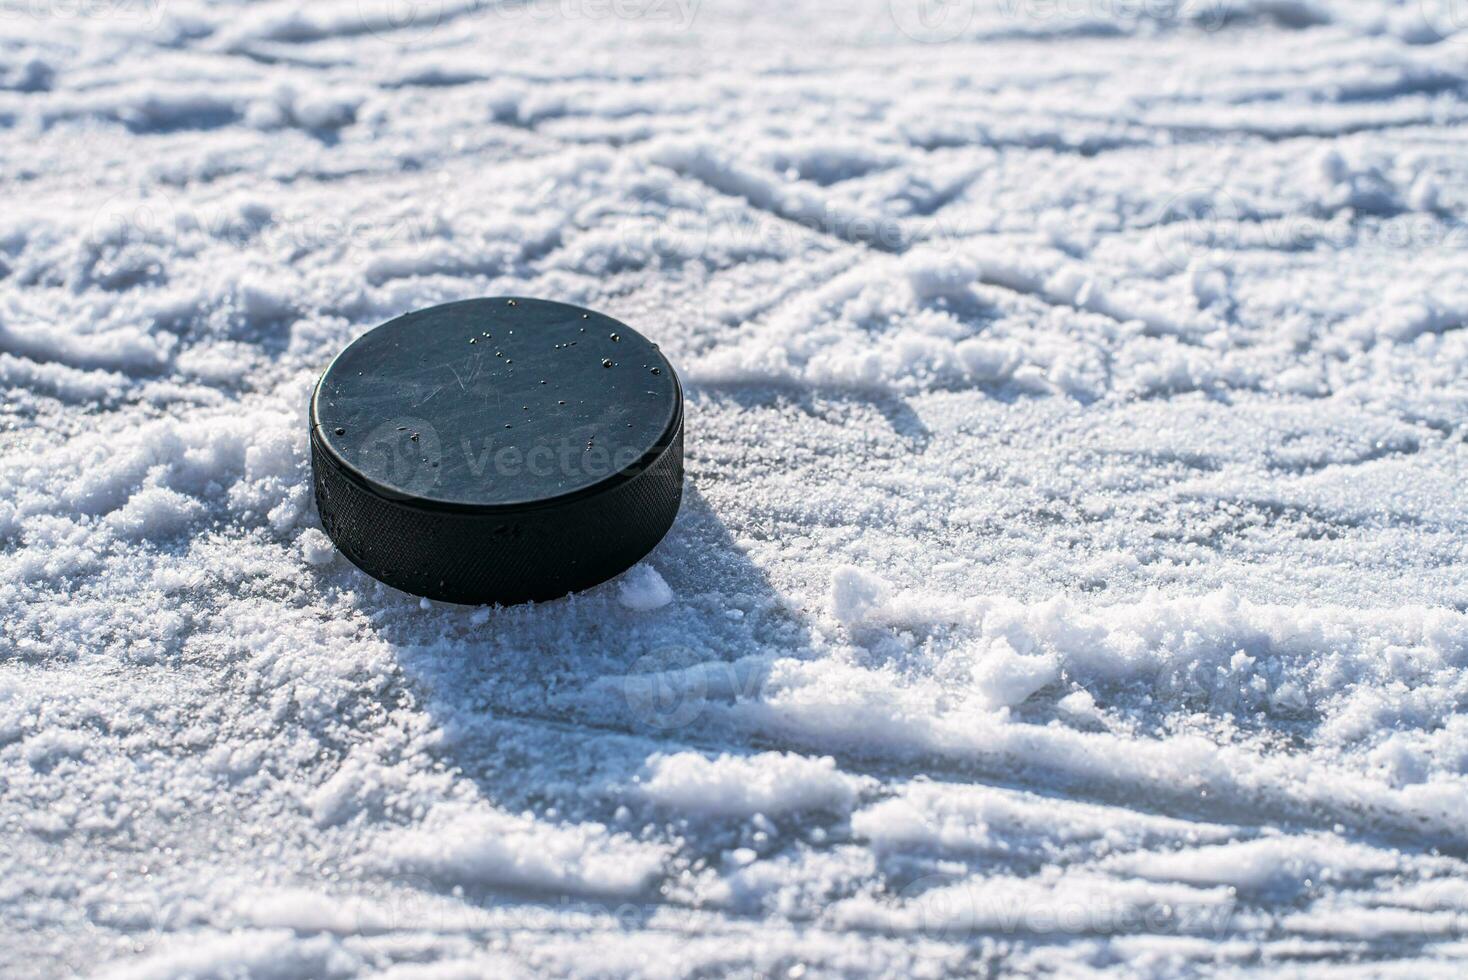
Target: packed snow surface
{"points": [[1072, 570]]}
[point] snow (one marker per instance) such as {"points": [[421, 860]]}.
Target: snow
{"points": [[746, 786], [487, 846], [1071, 573], [316, 548], [642, 589]]}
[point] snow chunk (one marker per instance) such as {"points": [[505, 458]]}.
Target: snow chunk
{"points": [[480, 845], [642, 589], [304, 910], [854, 594], [316, 547], [1268, 865], [1005, 678], [46, 748], [1079, 706], [742, 786], [155, 512]]}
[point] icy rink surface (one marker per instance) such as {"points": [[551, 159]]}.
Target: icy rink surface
{"points": [[1071, 572]]}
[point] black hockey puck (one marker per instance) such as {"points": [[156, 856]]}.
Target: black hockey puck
{"points": [[497, 450]]}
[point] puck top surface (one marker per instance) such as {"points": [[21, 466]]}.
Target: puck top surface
{"points": [[496, 403]]}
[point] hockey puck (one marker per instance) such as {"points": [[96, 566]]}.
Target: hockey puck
{"points": [[497, 450]]}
